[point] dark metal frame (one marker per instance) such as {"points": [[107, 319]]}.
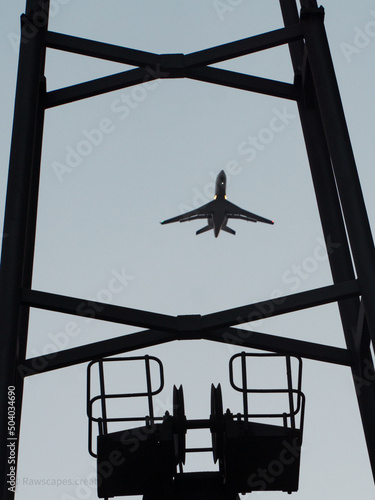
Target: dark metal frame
{"points": [[182, 424], [103, 396], [290, 390], [334, 174]]}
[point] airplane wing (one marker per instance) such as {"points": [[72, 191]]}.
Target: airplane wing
{"points": [[235, 212], [203, 212]]}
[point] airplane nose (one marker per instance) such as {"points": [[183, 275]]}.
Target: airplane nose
{"points": [[222, 177]]}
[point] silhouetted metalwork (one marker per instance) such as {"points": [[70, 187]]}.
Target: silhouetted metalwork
{"points": [[149, 459], [334, 175]]}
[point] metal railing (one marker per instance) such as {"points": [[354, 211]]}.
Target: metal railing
{"points": [[103, 397], [294, 409]]}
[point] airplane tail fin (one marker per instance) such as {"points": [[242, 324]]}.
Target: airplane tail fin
{"points": [[204, 229], [228, 230]]}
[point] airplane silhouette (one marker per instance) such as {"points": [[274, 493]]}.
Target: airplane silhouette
{"points": [[218, 211]]}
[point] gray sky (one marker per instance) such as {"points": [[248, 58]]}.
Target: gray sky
{"points": [[157, 153]]}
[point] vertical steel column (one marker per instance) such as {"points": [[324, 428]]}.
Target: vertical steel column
{"points": [[341, 267], [19, 224], [334, 231], [323, 179], [341, 153]]}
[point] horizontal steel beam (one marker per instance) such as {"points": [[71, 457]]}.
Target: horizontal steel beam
{"points": [[98, 310], [153, 66], [281, 305], [244, 47], [149, 338], [98, 86], [244, 82], [189, 323], [100, 50], [282, 345], [96, 350], [133, 57], [141, 75]]}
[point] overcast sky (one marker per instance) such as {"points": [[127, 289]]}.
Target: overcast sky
{"points": [[114, 166]]}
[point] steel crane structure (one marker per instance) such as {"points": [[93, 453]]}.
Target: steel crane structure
{"points": [[334, 175]]}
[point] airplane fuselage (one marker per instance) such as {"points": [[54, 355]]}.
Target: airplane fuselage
{"points": [[221, 186], [218, 211]]}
